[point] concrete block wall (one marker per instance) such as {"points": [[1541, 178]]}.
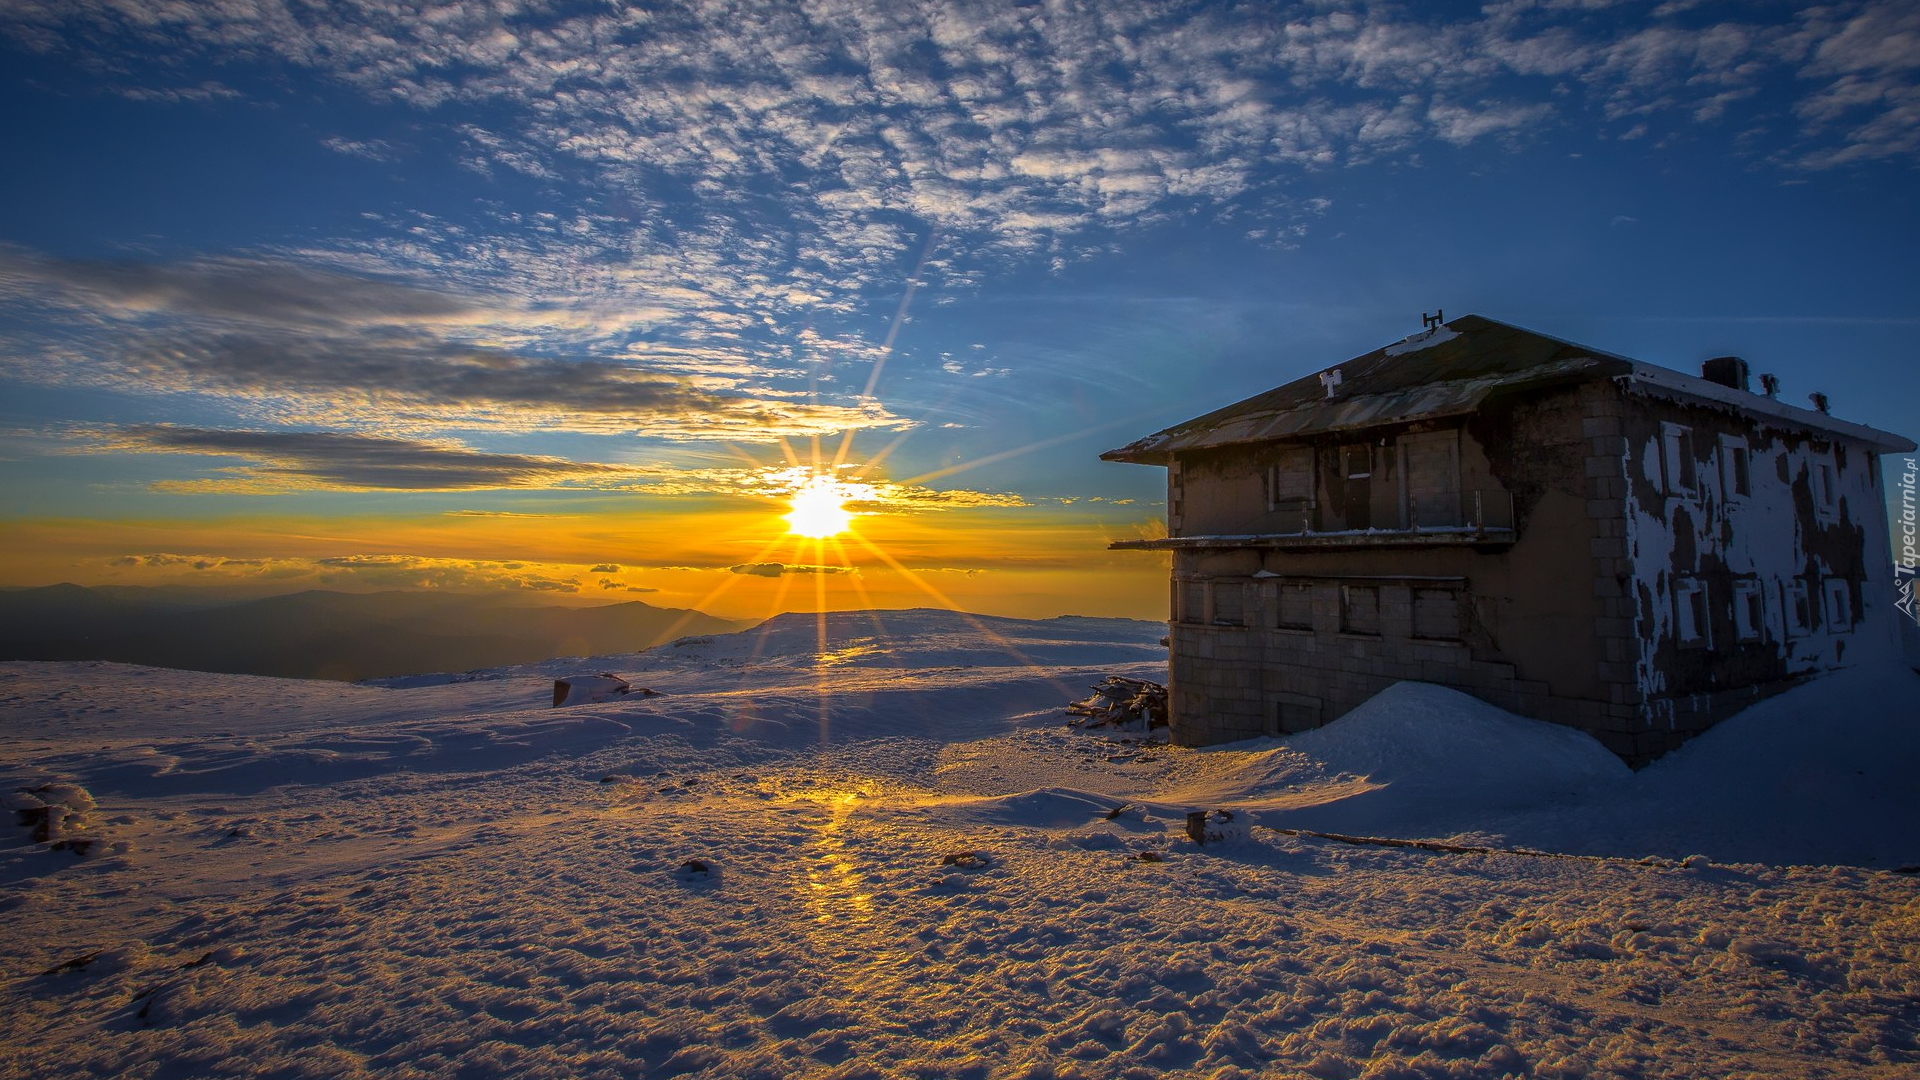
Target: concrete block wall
{"points": [[1243, 682], [1622, 723]]}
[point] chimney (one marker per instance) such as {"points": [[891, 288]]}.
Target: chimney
{"points": [[1725, 370]]}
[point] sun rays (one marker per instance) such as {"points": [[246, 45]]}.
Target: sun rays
{"points": [[819, 508]]}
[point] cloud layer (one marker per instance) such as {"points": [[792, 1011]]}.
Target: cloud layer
{"points": [[733, 198]]}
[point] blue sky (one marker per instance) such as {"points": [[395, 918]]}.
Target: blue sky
{"points": [[385, 263]]}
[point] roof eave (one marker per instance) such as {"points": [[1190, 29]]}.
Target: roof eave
{"points": [[1646, 378]]}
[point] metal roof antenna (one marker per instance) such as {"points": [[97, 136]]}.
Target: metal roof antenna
{"points": [[1430, 321]]}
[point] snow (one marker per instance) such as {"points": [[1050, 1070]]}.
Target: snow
{"points": [[867, 845], [1425, 339]]}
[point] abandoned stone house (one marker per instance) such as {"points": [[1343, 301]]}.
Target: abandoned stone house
{"points": [[1572, 535]]}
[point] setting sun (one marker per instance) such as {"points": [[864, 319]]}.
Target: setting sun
{"points": [[819, 509]]}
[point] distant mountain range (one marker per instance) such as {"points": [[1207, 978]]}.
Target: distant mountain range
{"points": [[325, 635]]}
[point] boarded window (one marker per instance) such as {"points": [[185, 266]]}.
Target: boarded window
{"points": [[1229, 602], [1736, 467], [1433, 478], [1295, 607], [1839, 605], [1436, 614], [1290, 480], [1690, 613], [1796, 608], [1676, 459], [1360, 609], [1293, 713], [1749, 610], [1193, 601]]}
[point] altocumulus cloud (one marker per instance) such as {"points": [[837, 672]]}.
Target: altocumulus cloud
{"points": [[821, 141]]}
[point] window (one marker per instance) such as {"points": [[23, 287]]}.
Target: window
{"points": [[1294, 713], [1736, 467], [1289, 480], [1749, 610], [1229, 603], [1676, 459], [1690, 613], [1430, 464], [1360, 609], [1839, 605], [1796, 607], [1436, 614], [1193, 601], [1820, 479], [1295, 607]]}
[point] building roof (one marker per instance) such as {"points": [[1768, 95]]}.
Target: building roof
{"points": [[1450, 370]]}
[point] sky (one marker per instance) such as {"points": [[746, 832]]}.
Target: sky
{"points": [[571, 298]]}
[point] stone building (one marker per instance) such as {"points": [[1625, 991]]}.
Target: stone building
{"points": [[1572, 535]]}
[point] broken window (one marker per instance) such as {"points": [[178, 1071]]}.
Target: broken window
{"points": [[1229, 603], [1676, 459], [1749, 610], [1690, 613], [1736, 467], [1295, 608], [1436, 614], [1360, 609], [1796, 608], [1839, 605]]}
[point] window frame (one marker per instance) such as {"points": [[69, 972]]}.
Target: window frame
{"points": [[1676, 457], [1691, 611], [1836, 605], [1749, 610], [1736, 468]]}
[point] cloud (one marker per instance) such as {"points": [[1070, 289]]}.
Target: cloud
{"points": [[498, 514], [742, 185], [280, 293], [324, 344], [1002, 127], [605, 568], [195, 562], [419, 572], [371, 570], [304, 460], [774, 569]]}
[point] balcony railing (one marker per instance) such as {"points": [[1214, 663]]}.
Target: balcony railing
{"points": [[1482, 517]]}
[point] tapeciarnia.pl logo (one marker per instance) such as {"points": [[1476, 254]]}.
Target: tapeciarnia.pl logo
{"points": [[1903, 567]]}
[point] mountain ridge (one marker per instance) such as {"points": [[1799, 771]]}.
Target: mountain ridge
{"points": [[324, 634]]}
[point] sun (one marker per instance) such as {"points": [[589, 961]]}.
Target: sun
{"points": [[819, 509]]}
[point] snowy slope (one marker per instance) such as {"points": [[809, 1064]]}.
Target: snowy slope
{"points": [[908, 866]]}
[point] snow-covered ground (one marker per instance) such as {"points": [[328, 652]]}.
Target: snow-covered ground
{"points": [[870, 847]]}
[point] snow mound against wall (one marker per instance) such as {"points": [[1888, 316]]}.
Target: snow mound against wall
{"points": [[923, 638], [1422, 733], [1424, 760], [1824, 773]]}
